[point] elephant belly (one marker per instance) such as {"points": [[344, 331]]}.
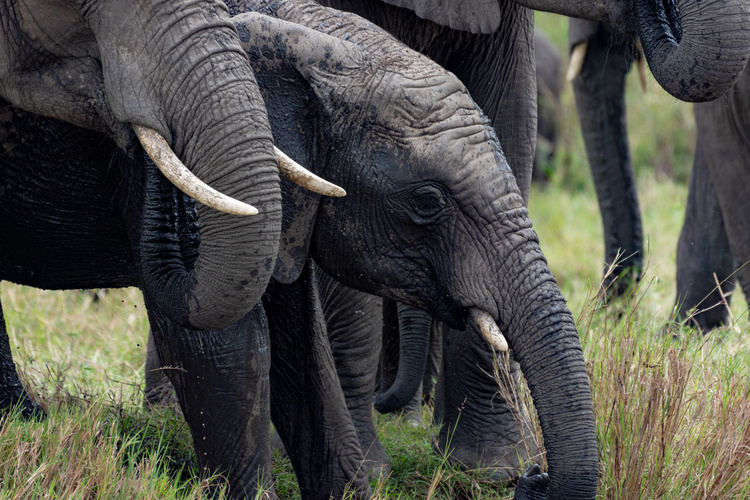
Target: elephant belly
{"points": [[52, 250], [62, 193]]}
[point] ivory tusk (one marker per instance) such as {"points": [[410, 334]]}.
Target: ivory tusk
{"points": [[577, 56], [179, 175], [303, 177], [490, 331], [640, 62]]}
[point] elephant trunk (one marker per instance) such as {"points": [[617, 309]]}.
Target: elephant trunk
{"points": [[203, 98], [414, 328], [697, 50], [235, 254], [543, 339]]}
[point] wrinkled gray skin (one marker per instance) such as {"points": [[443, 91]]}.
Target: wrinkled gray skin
{"points": [[715, 237], [600, 101], [425, 176], [81, 206]]}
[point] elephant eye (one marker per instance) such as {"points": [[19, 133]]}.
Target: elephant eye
{"points": [[428, 201]]}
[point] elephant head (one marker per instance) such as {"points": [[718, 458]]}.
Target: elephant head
{"points": [[433, 217], [178, 69]]}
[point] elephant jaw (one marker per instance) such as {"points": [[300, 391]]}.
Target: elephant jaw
{"points": [[187, 182]]}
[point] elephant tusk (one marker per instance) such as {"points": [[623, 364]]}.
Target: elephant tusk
{"points": [[577, 56], [179, 175], [301, 176], [490, 331], [640, 62]]}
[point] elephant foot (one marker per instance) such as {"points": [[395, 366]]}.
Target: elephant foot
{"points": [[500, 451], [376, 462], [27, 408], [620, 281], [532, 485], [161, 396], [496, 463], [377, 469]]}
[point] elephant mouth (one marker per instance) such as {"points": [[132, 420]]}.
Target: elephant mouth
{"points": [[453, 315]]}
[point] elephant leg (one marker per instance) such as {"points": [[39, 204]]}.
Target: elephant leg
{"points": [[221, 381], [600, 99], [159, 390], [481, 425], [354, 323], [722, 127], [307, 405], [704, 258], [12, 393]]}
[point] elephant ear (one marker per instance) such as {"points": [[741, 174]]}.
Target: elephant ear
{"points": [[475, 16], [321, 59], [295, 66], [291, 106]]}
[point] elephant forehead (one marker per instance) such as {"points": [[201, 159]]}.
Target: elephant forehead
{"points": [[421, 106]]}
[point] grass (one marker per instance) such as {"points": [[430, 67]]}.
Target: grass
{"points": [[672, 416], [91, 449]]}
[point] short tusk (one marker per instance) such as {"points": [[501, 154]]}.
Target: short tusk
{"points": [[299, 175], [490, 331], [577, 56], [179, 175], [640, 62]]}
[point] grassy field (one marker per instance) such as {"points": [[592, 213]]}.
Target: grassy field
{"points": [[673, 416]]}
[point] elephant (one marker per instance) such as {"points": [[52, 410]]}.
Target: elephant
{"points": [[712, 251], [706, 262], [82, 95], [523, 122]]}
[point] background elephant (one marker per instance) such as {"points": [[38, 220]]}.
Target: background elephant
{"points": [[705, 257], [549, 85], [424, 172], [714, 245]]}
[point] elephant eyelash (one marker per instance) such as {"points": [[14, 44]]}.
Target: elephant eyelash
{"points": [[428, 204]]}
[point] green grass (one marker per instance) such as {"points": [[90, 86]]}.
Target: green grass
{"points": [[98, 449], [672, 416]]}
